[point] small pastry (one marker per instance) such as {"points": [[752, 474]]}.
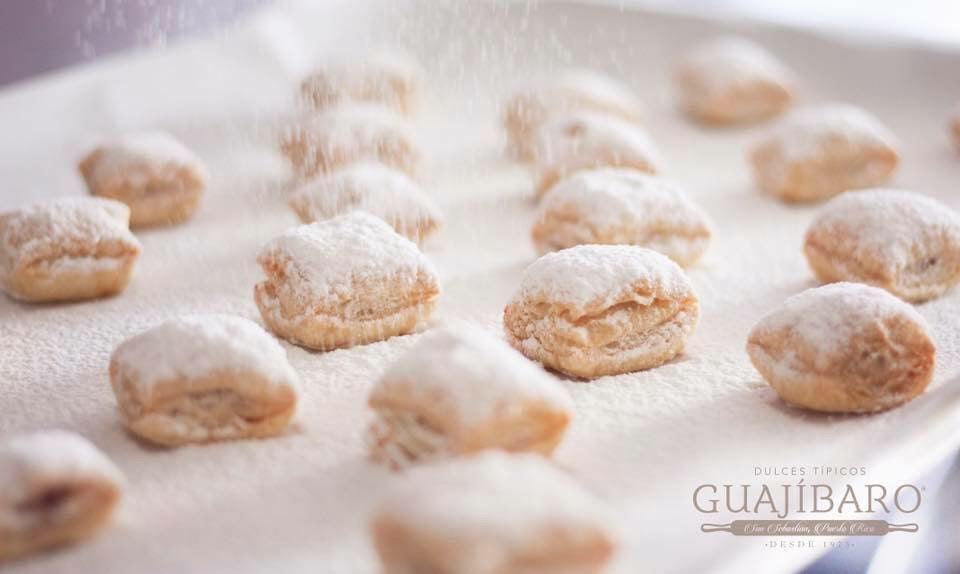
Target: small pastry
{"points": [[347, 134], [595, 310], [820, 152], [389, 79], [492, 513], [844, 347], [203, 378], [731, 80], [67, 250], [570, 91], [621, 206], [588, 141], [456, 393], [56, 488], [372, 187], [153, 173], [346, 281], [904, 242]]}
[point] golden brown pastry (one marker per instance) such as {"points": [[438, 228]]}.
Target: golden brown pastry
{"points": [[346, 281], [392, 79], [844, 347], [904, 242], [621, 206], [595, 310], [66, 249], [203, 378]]}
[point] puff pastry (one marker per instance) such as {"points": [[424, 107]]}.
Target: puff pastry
{"points": [[392, 79], [372, 187], [595, 310], [66, 249], [492, 513], [904, 242], [621, 206], [203, 378], [819, 152], [56, 488], [346, 281], [458, 392], [844, 347], [587, 141], [154, 174], [570, 91], [346, 134], [732, 80]]}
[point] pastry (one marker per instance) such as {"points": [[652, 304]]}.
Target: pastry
{"points": [[345, 281], [904, 242], [621, 206], [375, 188], [391, 79], [346, 134], [458, 392], [595, 310], [153, 173], [587, 141], [819, 152], [66, 249], [203, 378], [731, 80], [55, 488], [492, 513], [567, 92], [844, 347]]}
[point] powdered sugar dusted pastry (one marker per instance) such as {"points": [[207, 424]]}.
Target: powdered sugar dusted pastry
{"points": [[586, 141], [55, 488], [492, 513], [595, 310], [731, 80], [904, 242], [844, 347], [621, 206], [458, 392], [391, 79], [153, 173], [66, 249], [203, 378], [819, 152], [346, 134], [345, 281], [375, 188], [569, 91]]}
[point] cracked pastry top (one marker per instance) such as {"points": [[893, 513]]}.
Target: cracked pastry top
{"points": [[391, 79]]}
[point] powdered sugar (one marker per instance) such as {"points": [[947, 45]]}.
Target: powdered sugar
{"points": [[388, 77], [729, 62], [803, 134]]}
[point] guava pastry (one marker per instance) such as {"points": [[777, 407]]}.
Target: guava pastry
{"points": [[331, 139], [732, 80], [66, 250], [372, 187], [203, 378], [392, 79], [621, 206], [588, 141], [492, 513], [595, 310], [904, 242], [459, 392], [56, 488], [844, 347], [346, 281], [526, 111], [154, 174], [820, 152]]}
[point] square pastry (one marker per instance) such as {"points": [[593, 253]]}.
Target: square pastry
{"points": [[344, 281], [457, 392], [66, 249]]}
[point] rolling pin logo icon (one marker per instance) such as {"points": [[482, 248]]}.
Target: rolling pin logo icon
{"points": [[809, 527]]}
